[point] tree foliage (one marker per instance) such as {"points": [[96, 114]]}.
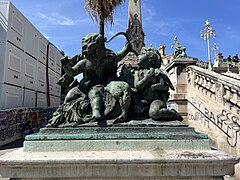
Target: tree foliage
{"points": [[102, 10]]}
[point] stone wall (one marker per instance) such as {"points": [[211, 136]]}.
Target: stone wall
{"points": [[13, 121], [214, 103], [209, 102], [214, 108]]}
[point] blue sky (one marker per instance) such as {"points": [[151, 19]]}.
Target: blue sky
{"points": [[64, 23]]}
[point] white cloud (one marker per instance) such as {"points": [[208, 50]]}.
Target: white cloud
{"points": [[148, 11], [119, 24], [164, 28], [57, 19], [230, 32], [111, 33]]}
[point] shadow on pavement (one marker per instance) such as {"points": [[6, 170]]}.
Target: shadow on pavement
{"points": [[15, 144]]}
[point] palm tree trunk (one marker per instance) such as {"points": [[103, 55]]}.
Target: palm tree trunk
{"points": [[101, 26], [101, 22]]}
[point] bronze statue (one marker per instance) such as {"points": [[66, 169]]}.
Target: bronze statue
{"points": [[152, 85], [179, 51], [102, 96], [235, 58], [99, 67]]}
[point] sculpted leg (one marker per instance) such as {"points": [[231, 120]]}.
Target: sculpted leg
{"points": [[121, 91], [124, 102], [74, 94], [96, 102], [159, 112]]}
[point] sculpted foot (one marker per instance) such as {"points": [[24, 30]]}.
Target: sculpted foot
{"points": [[96, 115], [120, 119]]}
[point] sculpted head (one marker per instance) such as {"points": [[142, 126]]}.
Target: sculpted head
{"points": [[92, 43], [152, 58]]}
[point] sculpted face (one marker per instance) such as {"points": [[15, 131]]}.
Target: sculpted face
{"points": [[153, 58], [93, 45]]}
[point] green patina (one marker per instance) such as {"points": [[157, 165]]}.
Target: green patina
{"points": [[102, 136], [95, 133]]}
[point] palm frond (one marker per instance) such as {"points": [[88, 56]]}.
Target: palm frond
{"points": [[102, 9]]}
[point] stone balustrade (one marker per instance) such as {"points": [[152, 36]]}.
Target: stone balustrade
{"points": [[214, 108], [209, 102], [225, 91]]}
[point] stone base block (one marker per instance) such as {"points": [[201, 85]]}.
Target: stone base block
{"points": [[237, 171], [197, 165], [167, 151]]}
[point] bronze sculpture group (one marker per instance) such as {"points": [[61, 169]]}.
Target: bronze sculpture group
{"points": [[106, 98], [179, 51]]}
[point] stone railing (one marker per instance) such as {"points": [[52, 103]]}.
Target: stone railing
{"points": [[209, 102], [214, 107]]}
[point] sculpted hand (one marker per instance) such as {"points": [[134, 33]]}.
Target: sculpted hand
{"points": [[150, 73], [151, 55], [64, 60]]}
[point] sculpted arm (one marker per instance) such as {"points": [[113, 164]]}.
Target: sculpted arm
{"points": [[160, 86], [126, 49], [121, 54], [75, 59], [139, 83], [75, 70]]}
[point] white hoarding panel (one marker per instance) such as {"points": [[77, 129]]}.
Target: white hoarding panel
{"points": [[10, 96], [57, 87], [41, 99], [2, 61], [51, 64], [54, 101], [16, 27], [41, 78], [51, 76], [32, 40], [42, 58], [29, 75], [4, 7], [29, 98], [42, 44], [58, 68], [14, 65]]}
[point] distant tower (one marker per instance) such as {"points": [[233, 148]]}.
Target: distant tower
{"points": [[135, 30]]}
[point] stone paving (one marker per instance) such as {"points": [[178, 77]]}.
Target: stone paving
{"points": [[9, 148]]}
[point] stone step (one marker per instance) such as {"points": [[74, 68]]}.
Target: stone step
{"points": [[115, 145], [116, 139], [116, 133], [105, 136], [91, 130]]}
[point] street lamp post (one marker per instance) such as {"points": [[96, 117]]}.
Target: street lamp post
{"points": [[206, 34]]}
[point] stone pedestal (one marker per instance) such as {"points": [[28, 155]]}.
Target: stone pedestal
{"points": [[176, 71], [166, 152]]}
